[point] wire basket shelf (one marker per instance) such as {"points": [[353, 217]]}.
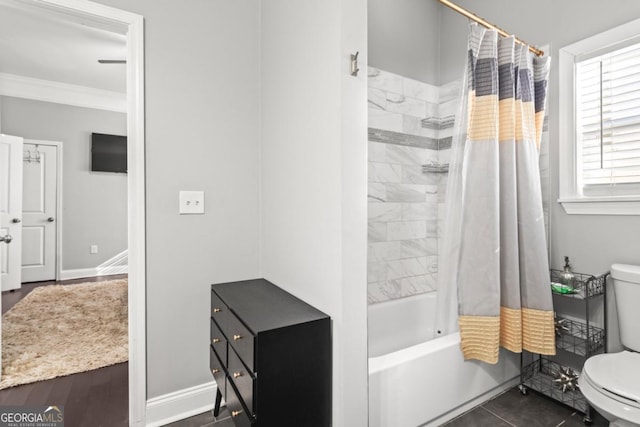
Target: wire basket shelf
{"points": [[578, 337], [539, 376], [584, 285]]}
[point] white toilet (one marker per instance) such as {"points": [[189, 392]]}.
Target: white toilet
{"points": [[611, 382]]}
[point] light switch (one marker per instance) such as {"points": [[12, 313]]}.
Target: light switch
{"points": [[191, 202]]}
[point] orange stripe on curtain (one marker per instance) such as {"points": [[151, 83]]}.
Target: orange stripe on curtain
{"points": [[483, 124], [507, 119]]}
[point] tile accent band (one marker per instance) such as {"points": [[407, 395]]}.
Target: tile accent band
{"points": [[397, 138]]}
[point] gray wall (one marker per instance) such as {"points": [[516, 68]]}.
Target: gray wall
{"points": [[201, 89], [453, 42], [404, 38], [94, 203], [203, 97], [313, 175]]}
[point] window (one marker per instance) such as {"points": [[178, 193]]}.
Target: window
{"points": [[600, 123], [608, 122]]}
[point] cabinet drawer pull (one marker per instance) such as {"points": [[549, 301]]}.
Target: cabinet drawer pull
{"points": [[217, 310], [237, 337], [237, 374], [216, 340], [215, 371], [235, 413]]}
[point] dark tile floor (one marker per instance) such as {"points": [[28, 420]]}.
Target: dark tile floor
{"points": [[533, 410], [510, 409]]}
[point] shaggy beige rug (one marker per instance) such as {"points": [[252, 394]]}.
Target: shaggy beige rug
{"points": [[59, 330]]}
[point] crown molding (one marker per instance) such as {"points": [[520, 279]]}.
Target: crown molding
{"points": [[62, 93]]}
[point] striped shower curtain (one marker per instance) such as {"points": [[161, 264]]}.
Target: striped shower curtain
{"points": [[503, 272]]}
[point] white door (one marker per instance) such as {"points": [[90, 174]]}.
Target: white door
{"points": [[39, 208], [10, 211]]}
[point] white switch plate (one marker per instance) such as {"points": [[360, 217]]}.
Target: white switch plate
{"points": [[93, 249], [191, 202]]}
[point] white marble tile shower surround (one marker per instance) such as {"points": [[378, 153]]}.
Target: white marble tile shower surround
{"points": [[404, 202], [382, 119], [384, 172], [406, 208]]}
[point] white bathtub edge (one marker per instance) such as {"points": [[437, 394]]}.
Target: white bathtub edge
{"points": [[435, 372], [386, 361], [473, 403]]}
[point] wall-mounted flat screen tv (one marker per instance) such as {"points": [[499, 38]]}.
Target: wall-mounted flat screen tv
{"points": [[108, 153]]}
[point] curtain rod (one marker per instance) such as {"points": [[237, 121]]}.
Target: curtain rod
{"points": [[489, 25]]}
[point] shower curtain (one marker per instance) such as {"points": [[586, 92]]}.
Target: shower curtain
{"points": [[494, 268]]}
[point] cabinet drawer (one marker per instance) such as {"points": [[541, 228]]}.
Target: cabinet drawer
{"points": [[241, 339], [219, 311], [217, 369], [219, 342], [238, 414], [242, 379]]}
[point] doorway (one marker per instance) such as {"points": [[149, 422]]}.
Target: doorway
{"points": [[41, 186], [131, 25], [10, 210], [30, 208]]}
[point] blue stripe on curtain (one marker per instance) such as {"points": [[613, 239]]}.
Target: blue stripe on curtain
{"points": [[540, 94]]}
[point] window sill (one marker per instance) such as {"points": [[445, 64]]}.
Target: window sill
{"points": [[601, 205]]}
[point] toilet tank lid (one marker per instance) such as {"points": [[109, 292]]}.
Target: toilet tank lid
{"points": [[626, 272]]}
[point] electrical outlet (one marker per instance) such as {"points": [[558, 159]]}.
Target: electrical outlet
{"points": [[191, 202], [93, 249]]}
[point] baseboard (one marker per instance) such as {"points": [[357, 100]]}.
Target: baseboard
{"points": [[93, 272], [180, 404]]}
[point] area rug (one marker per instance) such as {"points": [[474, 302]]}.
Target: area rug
{"points": [[59, 330]]}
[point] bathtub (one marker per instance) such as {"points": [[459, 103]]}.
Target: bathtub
{"points": [[417, 380]]}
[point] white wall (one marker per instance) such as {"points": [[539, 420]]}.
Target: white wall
{"points": [[313, 128], [201, 86], [94, 203]]}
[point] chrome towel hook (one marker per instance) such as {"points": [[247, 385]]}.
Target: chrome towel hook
{"points": [[354, 64]]}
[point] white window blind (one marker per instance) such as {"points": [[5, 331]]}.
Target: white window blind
{"points": [[608, 122]]}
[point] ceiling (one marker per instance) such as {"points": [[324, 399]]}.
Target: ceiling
{"points": [[41, 44]]}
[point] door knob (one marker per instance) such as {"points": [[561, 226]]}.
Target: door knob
{"points": [[16, 220], [50, 219], [7, 239]]}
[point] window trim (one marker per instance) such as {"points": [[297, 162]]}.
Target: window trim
{"points": [[570, 196]]}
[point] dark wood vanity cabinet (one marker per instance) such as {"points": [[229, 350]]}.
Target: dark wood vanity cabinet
{"points": [[270, 354]]}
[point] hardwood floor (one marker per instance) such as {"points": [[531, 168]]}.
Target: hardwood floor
{"points": [[93, 398]]}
